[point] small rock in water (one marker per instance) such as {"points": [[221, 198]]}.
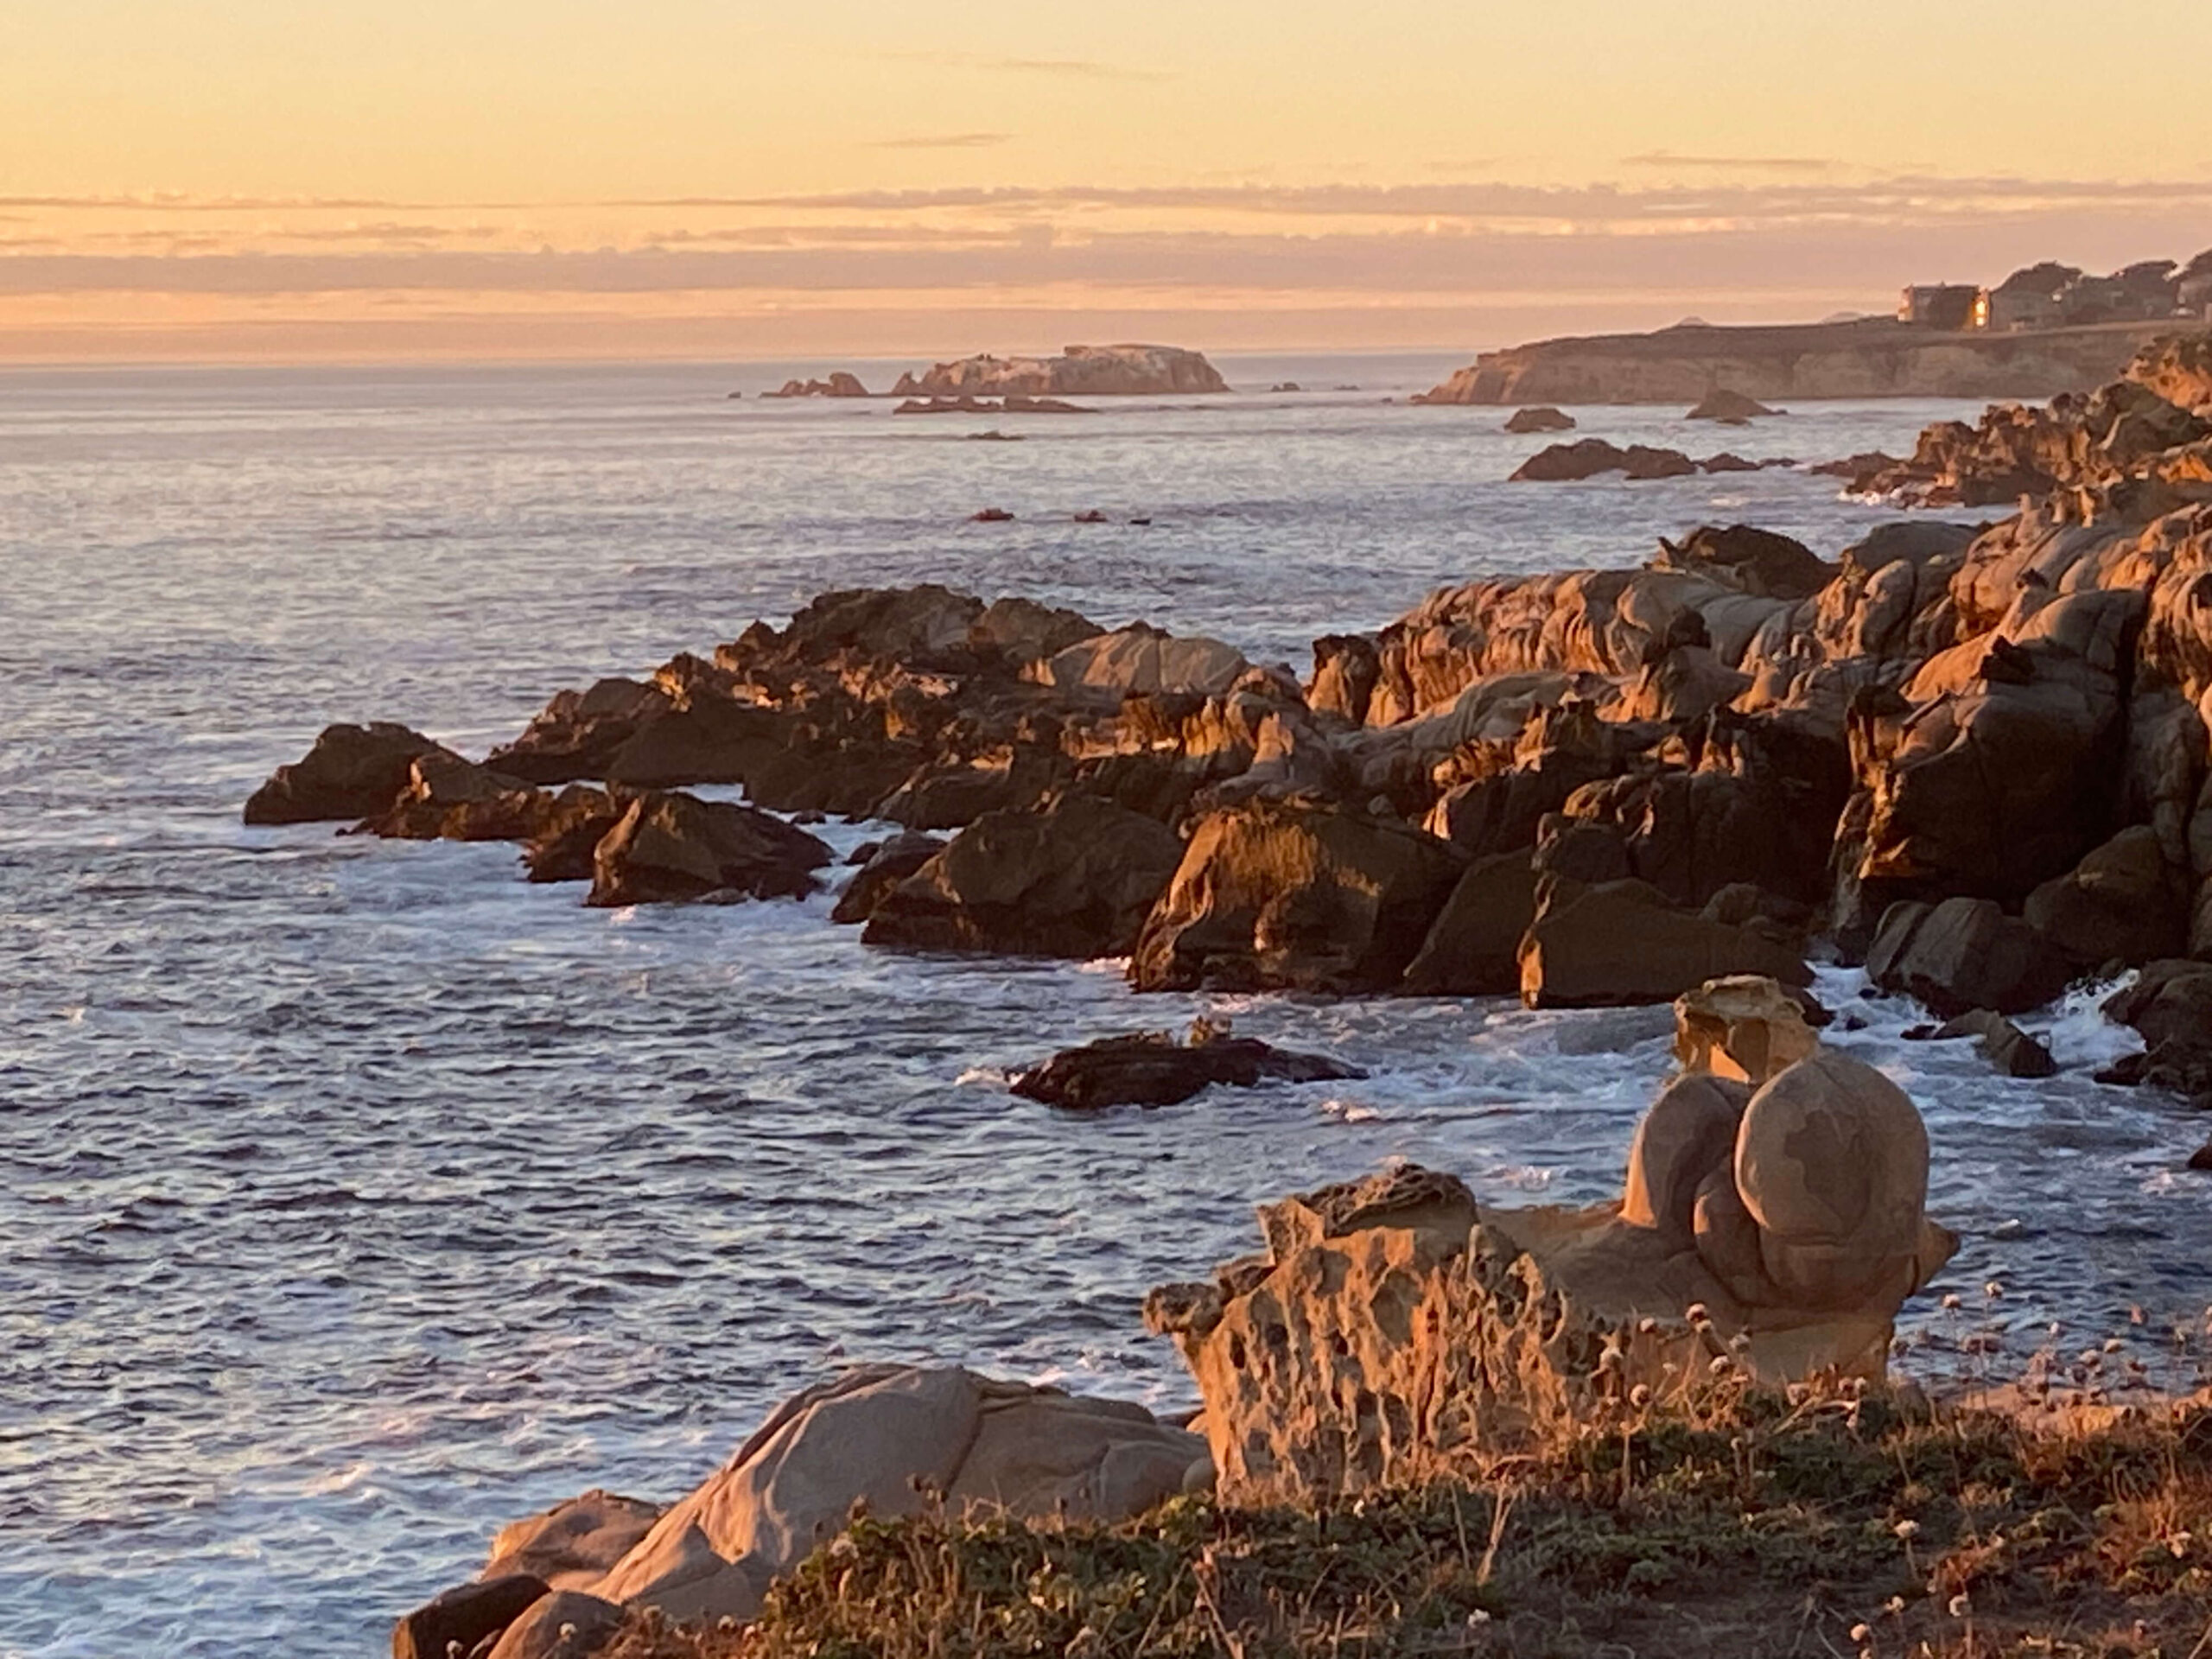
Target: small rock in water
{"points": [[1151, 1069]]}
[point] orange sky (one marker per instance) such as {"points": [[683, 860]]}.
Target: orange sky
{"points": [[279, 179]]}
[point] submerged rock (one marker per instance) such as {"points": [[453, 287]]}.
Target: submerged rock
{"points": [[1153, 1069]]}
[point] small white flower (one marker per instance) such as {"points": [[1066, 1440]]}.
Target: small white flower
{"points": [[1960, 1606], [1862, 1633]]}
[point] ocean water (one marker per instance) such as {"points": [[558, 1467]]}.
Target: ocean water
{"points": [[356, 1197]]}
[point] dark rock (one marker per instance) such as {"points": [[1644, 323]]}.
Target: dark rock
{"points": [[1075, 879], [1473, 947], [1345, 671], [464, 1615], [1588, 457], [2202, 1157], [1964, 955], [447, 798], [1622, 943], [1296, 894], [1151, 1069], [2003, 1044], [1722, 405], [669, 847], [2122, 902], [1542, 418], [991, 516], [352, 772], [892, 862], [1750, 560], [839, 385], [566, 1624], [578, 733], [569, 833]]}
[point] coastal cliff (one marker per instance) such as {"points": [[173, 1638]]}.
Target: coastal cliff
{"points": [[1870, 358], [1085, 371]]}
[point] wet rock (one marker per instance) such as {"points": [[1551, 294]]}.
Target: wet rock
{"points": [[1621, 943], [889, 864], [1392, 1326], [2169, 1004], [2202, 1157], [568, 833], [1589, 457], [1965, 954], [573, 1544], [895, 1438], [2123, 902], [578, 733], [1075, 879], [1541, 418], [1296, 893], [447, 798], [990, 516], [670, 847], [464, 1615], [1473, 947], [1722, 405], [352, 772], [1153, 1069], [566, 1624], [2003, 1044]]}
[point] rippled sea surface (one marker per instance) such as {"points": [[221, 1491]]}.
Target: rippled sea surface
{"points": [[356, 1197]]}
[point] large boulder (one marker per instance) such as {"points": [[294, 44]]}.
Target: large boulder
{"points": [[1542, 417], [578, 733], [566, 1624], [2123, 902], [352, 772], [1750, 560], [1743, 1028], [1143, 659], [1296, 894], [901, 856], [1966, 954], [574, 1544], [1153, 1069], [447, 798], [669, 847], [464, 1615], [1392, 1326], [1620, 942], [895, 1439], [1473, 947], [2170, 1005], [1589, 457], [1074, 879], [1729, 407]]}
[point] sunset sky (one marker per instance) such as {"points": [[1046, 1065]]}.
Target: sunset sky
{"points": [[343, 178]]}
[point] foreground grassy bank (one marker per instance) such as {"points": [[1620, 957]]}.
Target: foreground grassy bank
{"points": [[1833, 1526]]}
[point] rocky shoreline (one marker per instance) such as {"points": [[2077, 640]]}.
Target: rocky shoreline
{"points": [[1973, 756]]}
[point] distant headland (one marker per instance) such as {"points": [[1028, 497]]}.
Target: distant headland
{"points": [[2046, 329]]}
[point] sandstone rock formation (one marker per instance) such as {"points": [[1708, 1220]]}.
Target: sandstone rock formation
{"points": [[888, 1440], [1871, 357], [1395, 1329], [1153, 1069], [1074, 879], [895, 1438], [1078, 371]]}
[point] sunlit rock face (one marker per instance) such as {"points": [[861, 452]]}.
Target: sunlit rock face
{"points": [[1771, 1225]]}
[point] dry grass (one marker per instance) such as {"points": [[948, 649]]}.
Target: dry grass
{"points": [[1752, 1526]]}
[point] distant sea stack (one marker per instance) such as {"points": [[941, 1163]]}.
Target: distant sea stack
{"points": [[1079, 371], [1869, 357]]}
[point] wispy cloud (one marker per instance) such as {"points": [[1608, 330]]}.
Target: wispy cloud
{"points": [[942, 141], [1739, 164]]}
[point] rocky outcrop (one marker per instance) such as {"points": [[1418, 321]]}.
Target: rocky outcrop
{"points": [[1965, 954], [1590, 457], [839, 385], [672, 847], [2178, 368], [1617, 943], [888, 864], [1395, 1330], [1542, 418], [1473, 947], [1298, 895], [2169, 1006], [1078, 371], [894, 1439], [1729, 408], [458, 1620], [1075, 879], [572, 1545], [1153, 1069], [1867, 358], [352, 771], [1142, 659]]}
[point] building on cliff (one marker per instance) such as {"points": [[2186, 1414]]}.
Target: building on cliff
{"points": [[1939, 305]]}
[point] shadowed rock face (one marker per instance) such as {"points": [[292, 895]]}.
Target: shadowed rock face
{"points": [[351, 773], [1394, 1328], [673, 847]]}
